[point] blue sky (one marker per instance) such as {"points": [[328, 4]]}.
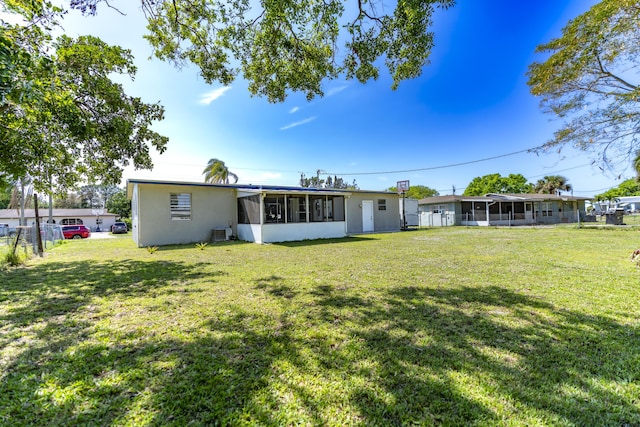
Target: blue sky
{"points": [[470, 103]]}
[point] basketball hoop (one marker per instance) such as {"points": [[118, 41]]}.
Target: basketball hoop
{"points": [[402, 186], [97, 212]]}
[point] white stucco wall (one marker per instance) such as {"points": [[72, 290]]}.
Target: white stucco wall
{"points": [[211, 208], [386, 220], [301, 231], [250, 233], [135, 207]]}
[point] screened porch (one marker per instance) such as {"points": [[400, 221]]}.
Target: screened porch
{"points": [[289, 216]]}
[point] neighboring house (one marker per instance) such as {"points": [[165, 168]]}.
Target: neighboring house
{"points": [[500, 209], [628, 203], [92, 218], [166, 212]]}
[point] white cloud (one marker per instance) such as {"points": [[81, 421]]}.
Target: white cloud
{"points": [[301, 122], [293, 110], [209, 97], [335, 90]]}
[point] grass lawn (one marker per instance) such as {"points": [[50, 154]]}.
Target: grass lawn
{"points": [[458, 326]]}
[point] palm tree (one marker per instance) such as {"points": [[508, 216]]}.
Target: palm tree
{"points": [[552, 184], [636, 164], [217, 173]]}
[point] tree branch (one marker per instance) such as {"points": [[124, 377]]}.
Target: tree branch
{"points": [[604, 71]]}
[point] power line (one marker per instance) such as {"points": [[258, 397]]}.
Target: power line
{"points": [[594, 191], [439, 167], [561, 170]]}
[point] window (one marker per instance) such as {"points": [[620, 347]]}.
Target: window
{"points": [[547, 209], [317, 208], [338, 208], [71, 221], [382, 205], [467, 209], [439, 209], [180, 206], [474, 211], [296, 209], [518, 210], [507, 210], [274, 209], [326, 208], [249, 210]]}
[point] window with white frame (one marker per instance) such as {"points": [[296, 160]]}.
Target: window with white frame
{"points": [[547, 209], [382, 204], [180, 206], [439, 209]]}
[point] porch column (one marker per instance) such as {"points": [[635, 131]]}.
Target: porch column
{"points": [[486, 204], [286, 210]]}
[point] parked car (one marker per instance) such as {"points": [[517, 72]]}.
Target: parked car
{"points": [[5, 230], [119, 227], [75, 231]]}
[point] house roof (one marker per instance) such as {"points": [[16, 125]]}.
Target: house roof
{"points": [[629, 199], [254, 188], [44, 212], [507, 197]]}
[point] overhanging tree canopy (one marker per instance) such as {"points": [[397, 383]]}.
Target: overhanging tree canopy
{"points": [[63, 119], [290, 45], [590, 80]]}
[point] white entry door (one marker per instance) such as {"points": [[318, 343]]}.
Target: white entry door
{"points": [[367, 216], [528, 212]]}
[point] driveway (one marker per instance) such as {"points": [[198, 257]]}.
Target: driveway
{"points": [[101, 235]]}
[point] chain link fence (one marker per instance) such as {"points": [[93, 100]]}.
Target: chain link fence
{"points": [[26, 237]]}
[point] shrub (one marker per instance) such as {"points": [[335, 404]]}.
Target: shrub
{"points": [[13, 259]]}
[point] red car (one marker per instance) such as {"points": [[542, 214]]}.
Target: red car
{"points": [[75, 231]]}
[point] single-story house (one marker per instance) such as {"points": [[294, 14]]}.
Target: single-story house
{"points": [[630, 204], [169, 212], [500, 209], [92, 218]]}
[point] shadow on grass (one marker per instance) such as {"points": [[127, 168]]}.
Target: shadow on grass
{"points": [[399, 357], [343, 240], [60, 288]]}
